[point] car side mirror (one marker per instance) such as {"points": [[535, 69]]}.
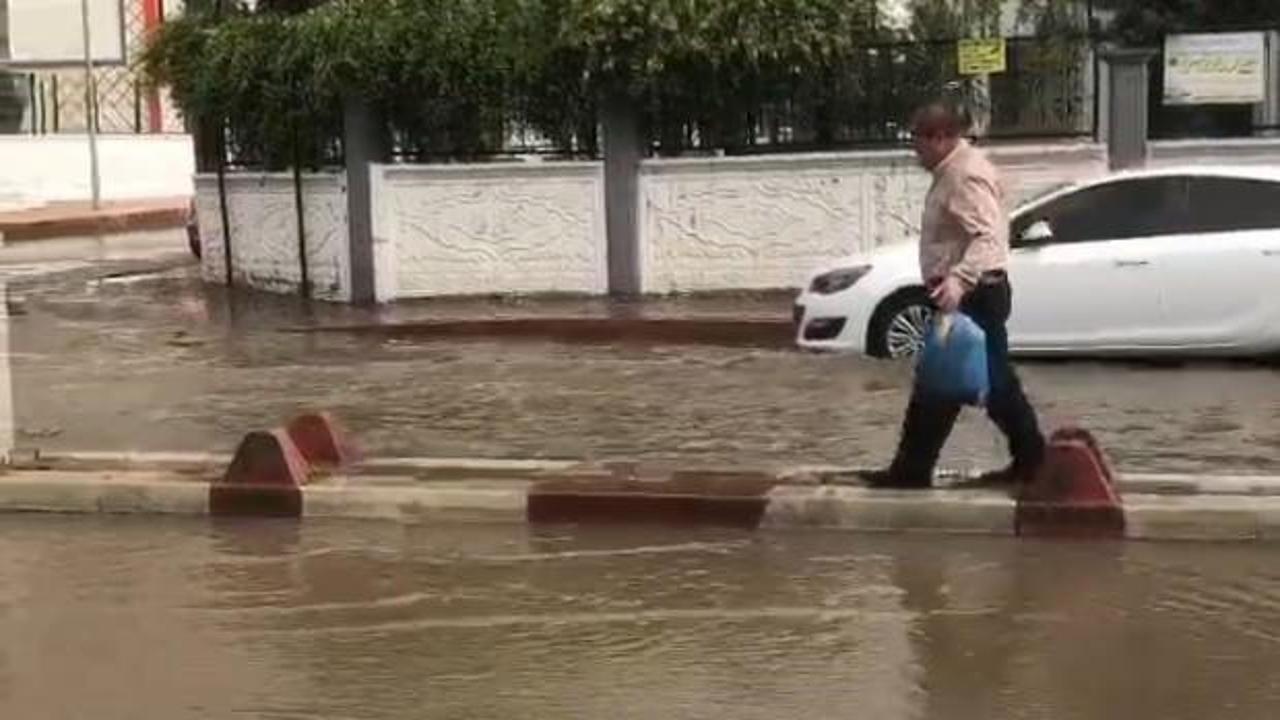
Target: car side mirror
{"points": [[1039, 232]]}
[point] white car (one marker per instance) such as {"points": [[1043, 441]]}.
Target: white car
{"points": [[1163, 262]]}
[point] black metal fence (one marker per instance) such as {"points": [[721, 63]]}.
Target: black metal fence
{"points": [[53, 100], [512, 140], [51, 103], [1046, 91]]}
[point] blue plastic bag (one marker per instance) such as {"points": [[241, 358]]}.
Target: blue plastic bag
{"points": [[953, 363]]}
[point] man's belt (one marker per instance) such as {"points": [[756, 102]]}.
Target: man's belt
{"points": [[990, 277]]}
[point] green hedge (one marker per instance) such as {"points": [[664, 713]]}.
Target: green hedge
{"points": [[453, 76]]}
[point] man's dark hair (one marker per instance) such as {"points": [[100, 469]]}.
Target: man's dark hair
{"points": [[943, 116]]}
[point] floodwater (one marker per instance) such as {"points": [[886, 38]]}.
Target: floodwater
{"points": [[135, 354], [124, 618]]}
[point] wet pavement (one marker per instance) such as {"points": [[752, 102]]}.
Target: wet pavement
{"points": [[117, 346], [186, 619], [126, 350]]}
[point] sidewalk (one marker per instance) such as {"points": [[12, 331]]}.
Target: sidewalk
{"points": [[65, 219], [744, 320]]}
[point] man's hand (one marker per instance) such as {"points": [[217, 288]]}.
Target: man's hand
{"points": [[948, 294]]}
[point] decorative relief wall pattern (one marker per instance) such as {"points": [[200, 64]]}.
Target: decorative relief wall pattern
{"points": [[264, 233], [741, 229], [765, 223], [704, 225], [495, 229]]}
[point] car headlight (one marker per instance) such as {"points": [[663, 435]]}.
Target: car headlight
{"points": [[837, 280]]}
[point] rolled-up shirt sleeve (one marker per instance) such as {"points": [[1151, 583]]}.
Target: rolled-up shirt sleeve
{"points": [[976, 209]]}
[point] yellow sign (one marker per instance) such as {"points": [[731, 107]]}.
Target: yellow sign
{"points": [[981, 57]]}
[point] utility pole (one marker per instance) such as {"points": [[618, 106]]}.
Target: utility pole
{"points": [[90, 102]]}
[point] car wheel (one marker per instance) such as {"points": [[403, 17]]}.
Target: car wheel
{"points": [[899, 326]]}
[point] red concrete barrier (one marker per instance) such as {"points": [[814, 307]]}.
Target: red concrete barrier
{"points": [[692, 500], [264, 478], [778, 333], [322, 441], [1074, 494]]}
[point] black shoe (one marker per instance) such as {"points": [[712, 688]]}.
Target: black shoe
{"points": [[890, 480], [1003, 477], [1010, 476]]}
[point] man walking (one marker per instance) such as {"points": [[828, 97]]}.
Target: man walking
{"points": [[964, 255]]}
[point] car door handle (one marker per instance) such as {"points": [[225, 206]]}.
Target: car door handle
{"points": [[1132, 263], [1271, 253]]}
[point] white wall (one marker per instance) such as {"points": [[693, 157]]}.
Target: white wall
{"points": [[38, 169], [530, 228], [481, 229], [52, 31], [264, 233], [765, 222], [705, 224], [1245, 151]]}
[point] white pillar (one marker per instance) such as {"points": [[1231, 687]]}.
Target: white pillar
{"points": [[1267, 113], [1127, 122]]}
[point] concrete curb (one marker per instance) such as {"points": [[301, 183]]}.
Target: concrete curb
{"points": [[157, 493], [861, 509], [718, 332], [456, 468], [76, 219], [716, 499]]}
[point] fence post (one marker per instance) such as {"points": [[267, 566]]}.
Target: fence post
{"points": [[137, 107], [1126, 119], [304, 270], [33, 109], [57, 107], [223, 211], [1267, 114], [364, 143], [621, 187]]}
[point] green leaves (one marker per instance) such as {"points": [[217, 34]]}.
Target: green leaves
{"points": [[454, 77], [703, 66], [1145, 22], [258, 71]]}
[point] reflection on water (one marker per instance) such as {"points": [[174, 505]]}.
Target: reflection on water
{"points": [[7, 421], [128, 618]]}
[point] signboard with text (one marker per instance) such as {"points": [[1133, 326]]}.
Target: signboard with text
{"points": [[981, 56], [1215, 69]]}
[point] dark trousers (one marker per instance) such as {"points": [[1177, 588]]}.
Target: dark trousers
{"points": [[929, 420]]}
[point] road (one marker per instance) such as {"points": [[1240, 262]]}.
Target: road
{"points": [[120, 347]]}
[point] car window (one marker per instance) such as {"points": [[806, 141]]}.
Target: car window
{"points": [[1221, 204], [1141, 207], [1044, 193]]}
